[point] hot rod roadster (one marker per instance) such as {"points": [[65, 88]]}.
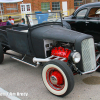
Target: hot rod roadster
{"points": [[62, 52]]}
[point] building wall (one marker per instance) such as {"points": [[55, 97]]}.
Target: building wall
{"points": [[89, 1], [11, 6], [78, 3], [36, 5]]}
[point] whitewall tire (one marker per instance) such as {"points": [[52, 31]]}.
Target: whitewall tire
{"points": [[58, 78]]}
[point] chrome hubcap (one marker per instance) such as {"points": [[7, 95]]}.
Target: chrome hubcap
{"points": [[53, 79]]}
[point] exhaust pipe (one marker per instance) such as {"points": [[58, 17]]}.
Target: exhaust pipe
{"points": [[37, 63], [40, 60], [48, 59]]}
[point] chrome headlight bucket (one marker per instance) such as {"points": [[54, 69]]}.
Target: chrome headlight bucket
{"points": [[76, 57]]}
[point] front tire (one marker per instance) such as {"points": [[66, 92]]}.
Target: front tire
{"points": [[1, 54], [58, 78]]}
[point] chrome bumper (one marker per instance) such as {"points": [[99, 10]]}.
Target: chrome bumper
{"points": [[90, 71]]}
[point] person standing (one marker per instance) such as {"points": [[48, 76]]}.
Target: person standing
{"points": [[22, 21], [10, 21]]}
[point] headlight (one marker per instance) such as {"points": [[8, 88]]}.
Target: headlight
{"points": [[76, 57]]}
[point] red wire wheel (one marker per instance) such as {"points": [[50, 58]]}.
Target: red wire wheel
{"points": [[58, 77]]}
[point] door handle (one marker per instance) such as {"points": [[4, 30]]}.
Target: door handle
{"points": [[86, 22]]}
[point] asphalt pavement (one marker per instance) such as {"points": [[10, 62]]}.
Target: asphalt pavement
{"points": [[22, 82]]}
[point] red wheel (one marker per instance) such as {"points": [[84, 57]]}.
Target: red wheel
{"points": [[58, 78], [55, 79]]}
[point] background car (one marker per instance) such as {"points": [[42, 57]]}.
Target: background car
{"points": [[86, 19]]}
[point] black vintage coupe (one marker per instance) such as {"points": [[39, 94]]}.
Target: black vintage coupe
{"points": [[62, 52], [86, 19]]}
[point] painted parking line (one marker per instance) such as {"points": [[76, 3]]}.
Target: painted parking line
{"points": [[8, 95]]}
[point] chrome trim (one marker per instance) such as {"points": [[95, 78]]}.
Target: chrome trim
{"points": [[63, 59], [26, 62], [88, 55], [48, 59], [73, 54], [90, 71], [40, 60], [57, 58], [97, 57], [24, 57], [53, 80], [51, 56]]}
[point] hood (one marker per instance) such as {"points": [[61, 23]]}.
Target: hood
{"points": [[58, 33]]}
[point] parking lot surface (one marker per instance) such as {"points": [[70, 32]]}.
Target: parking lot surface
{"points": [[25, 83]]}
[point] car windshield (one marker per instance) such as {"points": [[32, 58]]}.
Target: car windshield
{"points": [[39, 18]]}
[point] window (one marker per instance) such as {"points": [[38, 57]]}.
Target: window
{"points": [[23, 7], [78, 3], [82, 13], [28, 7], [94, 12], [1, 8], [45, 6], [55, 5], [12, 7], [98, 11]]}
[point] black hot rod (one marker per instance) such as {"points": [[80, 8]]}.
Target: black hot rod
{"points": [[62, 52]]}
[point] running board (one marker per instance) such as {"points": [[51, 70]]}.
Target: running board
{"points": [[25, 62]]}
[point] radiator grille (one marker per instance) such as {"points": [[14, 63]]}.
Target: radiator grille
{"points": [[88, 55]]}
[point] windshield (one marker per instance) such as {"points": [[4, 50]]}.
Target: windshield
{"points": [[39, 18]]}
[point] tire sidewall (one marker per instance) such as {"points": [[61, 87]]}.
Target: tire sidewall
{"points": [[67, 74]]}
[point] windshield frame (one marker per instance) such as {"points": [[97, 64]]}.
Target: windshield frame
{"points": [[28, 22]]}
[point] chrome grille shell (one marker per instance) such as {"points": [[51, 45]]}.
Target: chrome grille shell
{"points": [[88, 55]]}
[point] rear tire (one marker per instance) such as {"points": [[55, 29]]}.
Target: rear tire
{"points": [[1, 54], [58, 78]]}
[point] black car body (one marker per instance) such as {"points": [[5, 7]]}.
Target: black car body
{"points": [[86, 19], [63, 51]]}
